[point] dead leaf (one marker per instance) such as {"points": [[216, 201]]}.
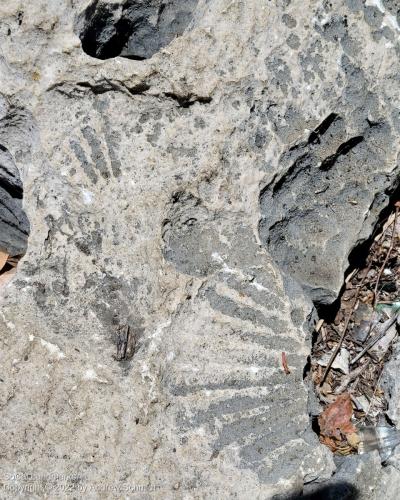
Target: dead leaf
{"points": [[329, 442], [381, 347], [3, 259], [335, 420]]}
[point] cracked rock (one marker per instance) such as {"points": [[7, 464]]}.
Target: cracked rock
{"points": [[193, 173], [14, 224], [315, 213]]}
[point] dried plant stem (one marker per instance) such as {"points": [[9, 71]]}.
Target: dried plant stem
{"points": [[382, 333], [386, 258], [353, 375], [335, 352]]}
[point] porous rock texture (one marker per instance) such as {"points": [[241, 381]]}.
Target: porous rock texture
{"points": [[202, 195]]}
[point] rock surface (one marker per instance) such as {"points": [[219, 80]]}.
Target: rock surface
{"points": [[391, 384], [135, 29], [199, 196], [321, 206], [14, 224]]}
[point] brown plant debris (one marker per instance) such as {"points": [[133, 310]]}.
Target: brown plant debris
{"points": [[125, 341], [336, 428], [349, 353]]}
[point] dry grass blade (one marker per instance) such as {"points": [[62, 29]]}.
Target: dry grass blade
{"points": [[353, 375], [386, 226], [385, 328], [353, 305]]}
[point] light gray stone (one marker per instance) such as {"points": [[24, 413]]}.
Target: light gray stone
{"points": [[157, 192]]}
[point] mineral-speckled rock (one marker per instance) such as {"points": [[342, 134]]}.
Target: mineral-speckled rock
{"points": [[199, 196]]}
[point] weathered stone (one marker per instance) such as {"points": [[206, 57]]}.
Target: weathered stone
{"points": [[158, 192], [135, 29], [391, 384], [320, 208], [14, 225]]}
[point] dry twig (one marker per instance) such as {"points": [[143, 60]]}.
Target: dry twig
{"points": [[385, 327], [353, 375], [335, 352], [387, 256]]}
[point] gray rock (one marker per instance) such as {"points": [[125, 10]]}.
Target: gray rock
{"points": [[390, 382], [356, 477], [134, 29], [315, 213], [14, 224], [158, 192]]}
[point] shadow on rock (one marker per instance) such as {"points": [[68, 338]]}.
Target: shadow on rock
{"points": [[332, 491]]}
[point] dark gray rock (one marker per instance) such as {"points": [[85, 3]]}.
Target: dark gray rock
{"points": [[14, 224], [316, 211], [134, 29], [356, 477]]}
